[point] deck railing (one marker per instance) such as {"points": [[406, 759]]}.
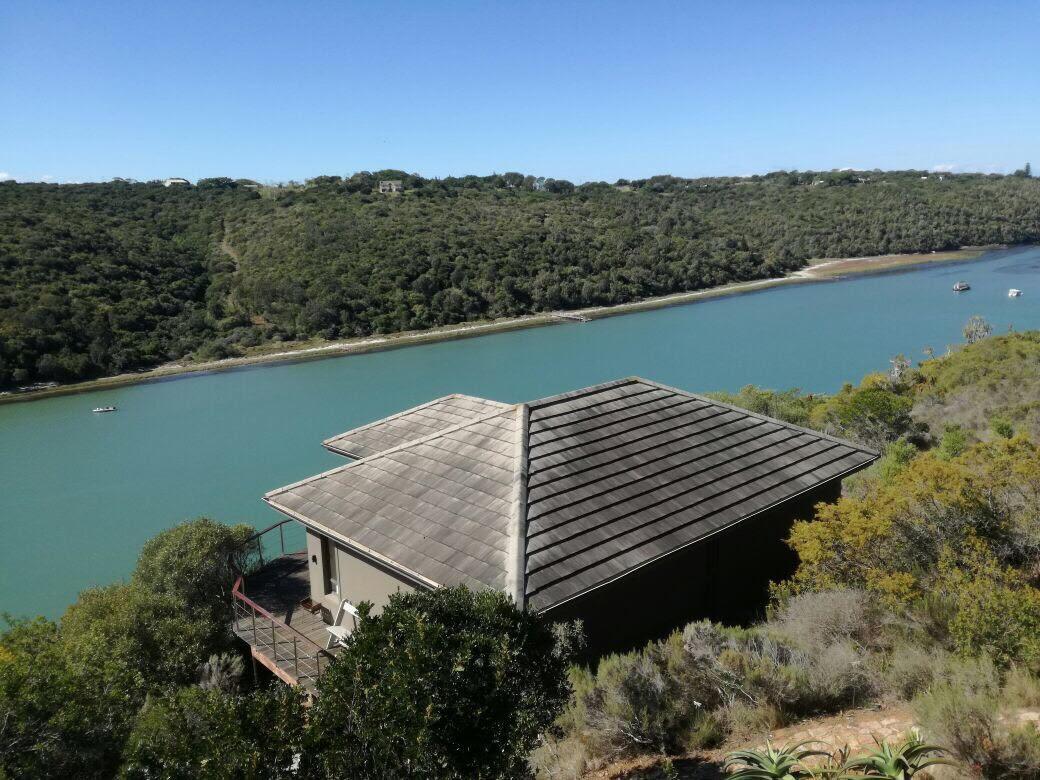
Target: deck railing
{"points": [[293, 654], [256, 542]]}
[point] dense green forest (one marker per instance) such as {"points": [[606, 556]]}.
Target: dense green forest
{"points": [[103, 278]]}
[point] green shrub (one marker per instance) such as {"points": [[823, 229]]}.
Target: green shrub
{"points": [[56, 722], [191, 563], [996, 611], [911, 669], [872, 413], [444, 684], [965, 713], [1002, 427], [208, 734], [143, 640], [820, 618], [747, 722], [897, 456], [953, 443]]}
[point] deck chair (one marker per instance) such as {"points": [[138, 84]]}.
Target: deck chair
{"points": [[338, 632]]}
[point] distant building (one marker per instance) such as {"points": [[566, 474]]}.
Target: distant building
{"points": [[249, 184], [391, 185], [175, 182]]}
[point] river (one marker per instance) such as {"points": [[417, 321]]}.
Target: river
{"points": [[81, 492]]}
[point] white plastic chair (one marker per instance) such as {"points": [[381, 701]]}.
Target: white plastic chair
{"points": [[339, 633]]}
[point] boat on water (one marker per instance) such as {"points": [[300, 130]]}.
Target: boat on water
{"points": [[961, 287], [1014, 293], [103, 409]]}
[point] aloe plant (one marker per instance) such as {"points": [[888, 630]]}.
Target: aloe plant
{"points": [[901, 762], [785, 763]]}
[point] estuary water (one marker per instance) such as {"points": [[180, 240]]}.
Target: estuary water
{"points": [[81, 492]]}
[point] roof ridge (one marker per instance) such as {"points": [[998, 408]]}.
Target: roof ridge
{"points": [[749, 413], [516, 557], [583, 391], [397, 448], [412, 409]]}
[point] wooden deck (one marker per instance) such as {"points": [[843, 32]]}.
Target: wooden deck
{"points": [[286, 638]]}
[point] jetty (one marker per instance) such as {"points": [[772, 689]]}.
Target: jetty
{"points": [[570, 316]]}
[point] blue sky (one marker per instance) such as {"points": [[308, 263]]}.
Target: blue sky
{"points": [[583, 91]]}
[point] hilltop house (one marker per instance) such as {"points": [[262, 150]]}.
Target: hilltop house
{"points": [[391, 186], [176, 182], [630, 505]]}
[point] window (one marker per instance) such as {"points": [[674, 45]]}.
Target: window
{"points": [[328, 566]]}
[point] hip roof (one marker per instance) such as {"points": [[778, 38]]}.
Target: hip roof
{"points": [[551, 499]]}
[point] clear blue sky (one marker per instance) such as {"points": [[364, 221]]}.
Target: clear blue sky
{"points": [[583, 91]]}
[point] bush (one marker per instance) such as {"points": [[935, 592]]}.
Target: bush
{"points": [[55, 722], [897, 456], [442, 684], [1002, 427], [192, 563], [872, 413], [964, 713], [996, 611], [207, 734], [912, 669], [889, 541], [143, 640], [824, 617], [953, 443], [652, 700]]}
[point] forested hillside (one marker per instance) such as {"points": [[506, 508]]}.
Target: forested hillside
{"points": [[103, 278]]}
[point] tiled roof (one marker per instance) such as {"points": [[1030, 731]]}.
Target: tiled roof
{"points": [[550, 499], [623, 473], [439, 507], [411, 424]]}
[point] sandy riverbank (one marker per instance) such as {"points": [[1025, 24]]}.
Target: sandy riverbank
{"points": [[817, 270]]}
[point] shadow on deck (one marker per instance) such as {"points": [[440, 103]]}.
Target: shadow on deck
{"points": [[284, 636]]}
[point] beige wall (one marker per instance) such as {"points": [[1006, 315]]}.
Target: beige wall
{"points": [[359, 579]]}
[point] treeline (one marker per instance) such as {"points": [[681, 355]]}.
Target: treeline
{"points": [[104, 278]]}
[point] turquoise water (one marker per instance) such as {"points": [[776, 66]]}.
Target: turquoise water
{"points": [[80, 493]]}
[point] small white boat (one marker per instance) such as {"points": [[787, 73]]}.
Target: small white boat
{"points": [[103, 409], [961, 287], [1013, 293]]}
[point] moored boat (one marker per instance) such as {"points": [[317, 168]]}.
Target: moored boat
{"points": [[1014, 293], [103, 409], [961, 287]]}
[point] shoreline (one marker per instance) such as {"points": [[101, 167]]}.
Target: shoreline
{"points": [[825, 269]]}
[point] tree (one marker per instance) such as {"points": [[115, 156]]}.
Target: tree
{"points": [[195, 564], [442, 684], [976, 329], [69, 693], [53, 722], [195, 733]]}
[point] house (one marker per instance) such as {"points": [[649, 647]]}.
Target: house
{"points": [[391, 185], [630, 505], [175, 182]]}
